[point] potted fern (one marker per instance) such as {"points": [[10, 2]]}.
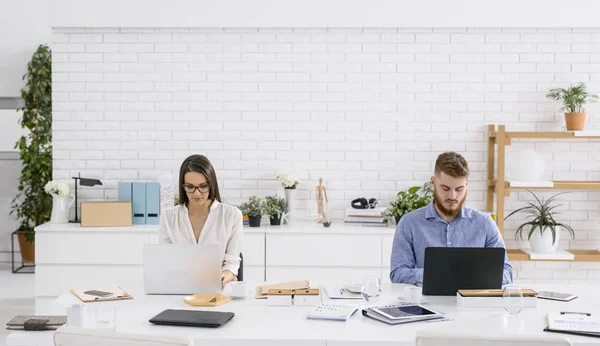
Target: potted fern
{"points": [[32, 206], [412, 199], [253, 208], [573, 99], [542, 219], [274, 207]]}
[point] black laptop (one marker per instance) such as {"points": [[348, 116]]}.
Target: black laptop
{"points": [[192, 318], [448, 269]]}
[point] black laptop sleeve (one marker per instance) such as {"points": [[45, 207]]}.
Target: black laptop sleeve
{"points": [[192, 318]]}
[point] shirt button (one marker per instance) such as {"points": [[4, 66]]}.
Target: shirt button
{"points": [[449, 243]]}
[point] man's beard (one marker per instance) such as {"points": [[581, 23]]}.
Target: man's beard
{"points": [[447, 212]]}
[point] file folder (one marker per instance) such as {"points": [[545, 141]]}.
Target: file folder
{"points": [[124, 192], [152, 203], [138, 195]]}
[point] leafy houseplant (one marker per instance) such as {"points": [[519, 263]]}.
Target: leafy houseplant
{"points": [[412, 199], [254, 209], [274, 206], [542, 218], [573, 99], [32, 205]]}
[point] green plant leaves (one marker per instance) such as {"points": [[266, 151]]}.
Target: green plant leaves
{"points": [[573, 98], [32, 205], [406, 201], [541, 215]]}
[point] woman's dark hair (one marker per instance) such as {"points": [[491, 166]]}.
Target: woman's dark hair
{"points": [[199, 164]]}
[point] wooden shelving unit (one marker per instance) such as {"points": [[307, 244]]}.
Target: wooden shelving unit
{"points": [[499, 188]]}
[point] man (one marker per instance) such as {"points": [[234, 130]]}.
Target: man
{"points": [[445, 222]]}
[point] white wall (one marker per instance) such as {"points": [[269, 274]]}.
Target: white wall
{"points": [[23, 27], [325, 14]]}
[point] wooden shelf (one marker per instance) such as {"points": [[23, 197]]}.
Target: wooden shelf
{"points": [[580, 256], [498, 188], [493, 134], [558, 185]]}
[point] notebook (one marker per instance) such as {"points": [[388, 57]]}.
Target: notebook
{"points": [[101, 294], [192, 318], [332, 312]]}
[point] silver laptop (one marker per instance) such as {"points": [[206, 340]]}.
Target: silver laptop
{"points": [[182, 269]]}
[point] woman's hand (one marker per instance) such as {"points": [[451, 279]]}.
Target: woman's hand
{"points": [[227, 277]]}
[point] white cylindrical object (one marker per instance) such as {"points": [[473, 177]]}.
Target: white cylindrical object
{"points": [[412, 294], [76, 315]]}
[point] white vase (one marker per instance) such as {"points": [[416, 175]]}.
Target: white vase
{"points": [[290, 197], [60, 208], [543, 242]]}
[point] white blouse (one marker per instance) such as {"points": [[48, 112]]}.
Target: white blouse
{"points": [[224, 226]]}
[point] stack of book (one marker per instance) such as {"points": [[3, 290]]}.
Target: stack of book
{"points": [[366, 217]]}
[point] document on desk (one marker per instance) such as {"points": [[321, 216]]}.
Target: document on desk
{"points": [[580, 322], [341, 292]]}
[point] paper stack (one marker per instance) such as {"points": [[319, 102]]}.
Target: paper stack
{"points": [[366, 217]]}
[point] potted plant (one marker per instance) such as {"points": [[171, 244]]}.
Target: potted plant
{"points": [[32, 205], [573, 99], [542, 218], [253, 209], [412, 199], [274, 206]]}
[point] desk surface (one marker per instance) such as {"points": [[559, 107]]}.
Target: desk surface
{"points": [[255, 323]]}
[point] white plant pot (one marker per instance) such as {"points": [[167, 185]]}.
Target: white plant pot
{"points": [[543, 242], [290, 197], [60, 208]]}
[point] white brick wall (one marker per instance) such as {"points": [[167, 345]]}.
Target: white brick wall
{"points": [[368, 110]]}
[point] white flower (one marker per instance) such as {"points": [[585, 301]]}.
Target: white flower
{"points": [[57, 188], [289, 180]]}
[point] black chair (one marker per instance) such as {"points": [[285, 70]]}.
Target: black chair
{"points": [[240, 275]]}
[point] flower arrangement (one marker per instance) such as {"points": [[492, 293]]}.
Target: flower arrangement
{"points": [[57, 188], [289, 180]]}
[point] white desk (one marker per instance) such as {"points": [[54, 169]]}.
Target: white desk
{"points": [[257, 324]]}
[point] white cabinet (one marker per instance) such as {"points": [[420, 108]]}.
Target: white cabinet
{"points": [[339, 253]]}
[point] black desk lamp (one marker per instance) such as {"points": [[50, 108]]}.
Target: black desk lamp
{"points": [[83, 182]]}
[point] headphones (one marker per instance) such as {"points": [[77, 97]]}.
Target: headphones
{"points": [[362, 203]]}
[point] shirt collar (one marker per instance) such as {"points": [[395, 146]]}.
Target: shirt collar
{"points": [[431, 213]]}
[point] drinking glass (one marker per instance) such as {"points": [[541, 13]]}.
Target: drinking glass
{"points": [[105, 317], [512, 299], [371, 289]]}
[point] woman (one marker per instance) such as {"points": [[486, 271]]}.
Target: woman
{"points": [[201, 218]]}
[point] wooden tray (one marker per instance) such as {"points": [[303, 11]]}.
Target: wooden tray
{"points": [[207, 299]]}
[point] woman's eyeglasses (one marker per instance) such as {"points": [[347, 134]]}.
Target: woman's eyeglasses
{"points": [[189, 188]]}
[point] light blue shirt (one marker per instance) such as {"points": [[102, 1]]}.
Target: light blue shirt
{"points": [[423, 228]]}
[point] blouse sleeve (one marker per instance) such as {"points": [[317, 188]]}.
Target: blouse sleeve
{"points": [[163, 233], [234, 244]]}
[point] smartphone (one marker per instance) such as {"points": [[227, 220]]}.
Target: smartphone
{"points": [[98, 293], [563, 297]]}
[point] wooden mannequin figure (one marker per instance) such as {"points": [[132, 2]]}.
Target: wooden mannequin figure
{"points": [[321, 193]]}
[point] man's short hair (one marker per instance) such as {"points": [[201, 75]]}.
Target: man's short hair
{"points": [[452, 164]]}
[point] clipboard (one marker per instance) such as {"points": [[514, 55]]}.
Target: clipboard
{"points": [[113, 293], [593, 335], [262, 292]]}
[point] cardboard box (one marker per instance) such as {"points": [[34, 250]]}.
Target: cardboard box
{"points": [[106, 214]]}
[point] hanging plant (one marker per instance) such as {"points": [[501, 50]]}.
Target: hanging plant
{"points": [[32, 205]]}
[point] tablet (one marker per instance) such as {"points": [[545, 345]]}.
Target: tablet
{"points": [[405, 312], [563, 297]]}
